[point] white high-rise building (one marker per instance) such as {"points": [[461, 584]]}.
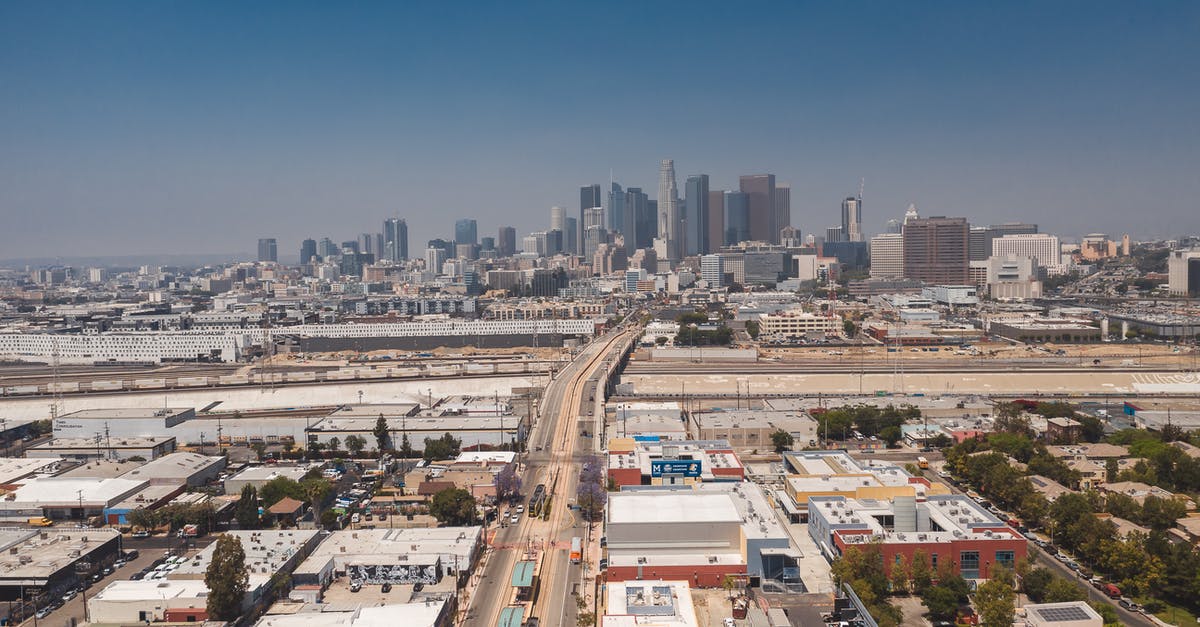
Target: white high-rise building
{"points": [[558, 218], [668, 209], [1042, 246], [712, 270], [434, 258], [887, 256]]}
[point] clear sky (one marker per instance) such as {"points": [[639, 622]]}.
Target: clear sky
{"points": [[156, 127]]}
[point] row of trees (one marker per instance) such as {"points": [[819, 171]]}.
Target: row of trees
{"points": [[590, 494], [868, 420], [174, 517], [312, 489]]}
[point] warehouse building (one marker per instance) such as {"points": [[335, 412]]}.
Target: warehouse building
{"points": [[636, 463], [181, 468], [83, 449], [42, 563], [268, 553], [397, 556], [121, 422], [753, 429], [68, 498], [149, 601], [258, 476]]}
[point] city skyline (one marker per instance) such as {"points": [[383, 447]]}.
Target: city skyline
{"points": [[109, 150]]}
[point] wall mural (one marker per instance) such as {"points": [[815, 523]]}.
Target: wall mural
{"points": [[395, 573]]}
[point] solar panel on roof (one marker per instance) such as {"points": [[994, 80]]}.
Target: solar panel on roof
{"points": [[1062, 614]]}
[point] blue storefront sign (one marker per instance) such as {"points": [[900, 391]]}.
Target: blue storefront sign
{"points": [[685, 467]]}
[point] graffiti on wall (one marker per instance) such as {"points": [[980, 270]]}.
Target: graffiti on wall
{"points": [[395, 573]]}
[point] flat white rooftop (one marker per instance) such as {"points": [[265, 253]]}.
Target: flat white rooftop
{"points": [[68, 491], [13, 469], [148, 589], [671, 507], [423, 614]]}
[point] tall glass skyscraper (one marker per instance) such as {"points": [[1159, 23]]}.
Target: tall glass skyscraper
{"points": [[395, 240], [267, 250], [308, 250], [668, 208], [695, 241], [737, 217], [466, 231]]}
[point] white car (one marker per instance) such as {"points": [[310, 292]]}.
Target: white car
{"points": [[729, 622]]}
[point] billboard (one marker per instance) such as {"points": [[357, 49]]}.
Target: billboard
{"points": [[685, 467]]}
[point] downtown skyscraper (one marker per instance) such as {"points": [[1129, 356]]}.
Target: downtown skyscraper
{"points": [[668, 209], [589, 198], [267, 250], [852, 220], [696, 216], [395, 240], [760, 198]]}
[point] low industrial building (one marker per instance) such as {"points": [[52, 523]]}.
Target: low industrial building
{"points": [[426, 613], [1046, 330], [268, 553], [44, 562], [121, 422], [397, 556], [697, 535], [14, 469], [258, 476], [149, 601], [68, 498], [753, 429], [636, 463], [189, 469], [472, 430], [100, 447], [946, 527], [657, 603]]}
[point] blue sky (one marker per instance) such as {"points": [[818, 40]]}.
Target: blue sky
{"points": [[157, 127]]}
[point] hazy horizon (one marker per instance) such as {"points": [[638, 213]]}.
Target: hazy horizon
{"points": [[186, 128]]}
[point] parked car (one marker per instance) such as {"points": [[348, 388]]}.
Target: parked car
{"points": [[355, 585], [140, 534], [385, 588], [44, 612], [70, 594], [417, 587]]}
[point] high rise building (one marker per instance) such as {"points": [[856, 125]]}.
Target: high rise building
{"points": [[835, 234], [558, 218], [893, 226], [308, 251], [571, 236], [1008, 228], [760, 205], [887, 256], [712, 270], [1041, 246], [395, 240], [648, 223], [737, 217], [487, 244], [978, 248], [790, 237], [715, 238], [1183, 273], [466, 231], [852, 219], [783, 207], [695, 240], [639, 220], [366, 243], [267, 251], [506, 241], [434, 258], [589, 196], [327, 249], [935, 250], [668, 209], [616, 212]]}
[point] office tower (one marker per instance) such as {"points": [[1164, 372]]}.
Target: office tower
{"points": [[506, 241], [715, 238], [466, 251], [466, 231], [366, 243], [635, 225], [712, 270], [1041, 246], [978, 248], [395, 240], [554, 242], [737, 217], [783, 207], [893, 226], [935, 250], [852, 219], [589, 196], [834, 234], [910, 214], [668, 209], [487, 243], [327, 248], [308, 250], [1008, 228], [571, 236], [760, 206], [447, 247], [695, 240], [435, 256], [648, 225], [352, 259], [616, 212], [558, 217], [267, 251], [887, 256], [350, 245]]}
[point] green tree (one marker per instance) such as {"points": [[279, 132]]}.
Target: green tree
{"points": [[453, 507], [1111, 468], [334, 443], [1034, 584], [142, 518], [260, 449], [355, 444], [382, 435], [406, 449], [995, 599], [246, 511], [753, 329], [920, 572], [1060, 590], [445, 447], [901, 575], [782, 440], [891, 434], [226, 579]]}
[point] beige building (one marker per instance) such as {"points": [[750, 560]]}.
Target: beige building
{"points": [[798, 324], [753, 429]]}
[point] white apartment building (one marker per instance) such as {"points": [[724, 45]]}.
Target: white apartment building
{"points": [[887, 256], [712, 270], [124, 347]]}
